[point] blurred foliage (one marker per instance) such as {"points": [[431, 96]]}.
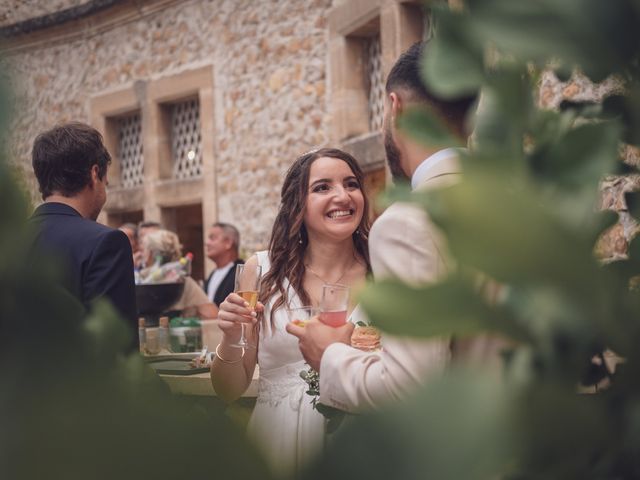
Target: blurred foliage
{"points": [[71, 405], [525, 215]]}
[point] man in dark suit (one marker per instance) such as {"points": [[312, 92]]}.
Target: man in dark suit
{"points": [[223, 243], [70, 162]]}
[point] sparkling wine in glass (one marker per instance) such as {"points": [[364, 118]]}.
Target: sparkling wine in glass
{"points": [[334, 304], [247, 285]]}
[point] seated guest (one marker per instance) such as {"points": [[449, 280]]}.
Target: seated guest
{"points": [[143, 229], [147, 227], [222, 246], [70, 162], [164, 246], [131, 231]]}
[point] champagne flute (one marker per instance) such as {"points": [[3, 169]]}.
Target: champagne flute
{"points": [[247, 285], [334, 304]]}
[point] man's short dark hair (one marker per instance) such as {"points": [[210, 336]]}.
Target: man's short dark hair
{"points": [[63, 157], [406, 75]]}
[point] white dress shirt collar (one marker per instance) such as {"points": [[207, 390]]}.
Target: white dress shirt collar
{"points": [[216, 279], [421, 173]]}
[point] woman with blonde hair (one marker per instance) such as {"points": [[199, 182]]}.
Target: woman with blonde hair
{"points": [[319, 237], [164, 246]]}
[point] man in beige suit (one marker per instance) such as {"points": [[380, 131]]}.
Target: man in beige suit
{"points": [[404, 244]]}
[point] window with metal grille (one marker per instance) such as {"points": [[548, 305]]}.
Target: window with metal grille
{"points": [[375, 82], [130, 150], [186, 139]]}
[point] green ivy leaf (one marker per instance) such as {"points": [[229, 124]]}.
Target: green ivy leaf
{"points": [[542, 31], [632, 200], [454, 64], [571, 168], [503, 115], [426, 128], [521, 241], [448, 308]]}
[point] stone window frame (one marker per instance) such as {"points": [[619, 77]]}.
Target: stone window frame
{"points": [[105, 111], [399, 27], [151, 97]]}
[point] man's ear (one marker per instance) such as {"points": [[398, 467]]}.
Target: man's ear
{"points": [[397, 107], [95, 175]]}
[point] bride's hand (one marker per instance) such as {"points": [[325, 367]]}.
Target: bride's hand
{"points": [[234, 311]]}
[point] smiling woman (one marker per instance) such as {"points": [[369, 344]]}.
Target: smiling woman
{"points": [[319, 236], [322, 225]]}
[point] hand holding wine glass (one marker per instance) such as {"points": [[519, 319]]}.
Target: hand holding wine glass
{"points": [[301, 315], [240, 307], [247, 286], [334, 304]]}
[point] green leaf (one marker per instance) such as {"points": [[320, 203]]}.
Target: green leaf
{"points": [[625, 108], [426, 128], [503, 114], [436, 434], [448, 308], [453, 63], [516, 239], [578, 160], [542, 31], [107, 332], [602, 221], [584, 109], [632, 200], [563, 73], [634, 249]]}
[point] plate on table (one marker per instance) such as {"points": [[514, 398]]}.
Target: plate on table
{"points": [[167, 365]]}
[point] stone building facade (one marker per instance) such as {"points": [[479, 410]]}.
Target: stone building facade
{"points": [[205, 103]]}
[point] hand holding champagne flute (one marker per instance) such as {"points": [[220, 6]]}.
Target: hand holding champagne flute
{"points": [[247, 286], [334, 304]]}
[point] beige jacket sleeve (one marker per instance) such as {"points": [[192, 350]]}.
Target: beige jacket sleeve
{"points": [[405, 245]]}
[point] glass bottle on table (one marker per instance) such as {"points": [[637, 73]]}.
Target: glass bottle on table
{"points": [[142, 335], [247, 286], [163, 336]]}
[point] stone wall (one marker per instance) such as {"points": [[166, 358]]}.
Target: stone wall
{"points": [[269, 61], [614, 243], [14, 11]]}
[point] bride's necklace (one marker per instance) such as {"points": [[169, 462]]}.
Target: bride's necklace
{"points": [[338, 280]]}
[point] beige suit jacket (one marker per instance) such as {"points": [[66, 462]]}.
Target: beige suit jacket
{"points": [[403, 244]]}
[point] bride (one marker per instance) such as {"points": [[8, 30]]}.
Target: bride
{"points": [[319, 236]]}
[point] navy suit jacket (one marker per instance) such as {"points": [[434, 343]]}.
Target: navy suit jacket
{"points": [[226, 286], [97, 259]]}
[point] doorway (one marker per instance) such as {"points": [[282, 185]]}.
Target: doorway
{"points": [[186, 222]]}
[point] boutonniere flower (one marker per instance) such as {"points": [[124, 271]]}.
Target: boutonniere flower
{"points": [[365, 338]]}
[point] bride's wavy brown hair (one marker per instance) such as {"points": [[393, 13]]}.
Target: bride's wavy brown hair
{"points": [[289, 239]]}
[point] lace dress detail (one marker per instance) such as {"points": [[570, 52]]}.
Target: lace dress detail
{"points": [[284, 425], [273, 389]]}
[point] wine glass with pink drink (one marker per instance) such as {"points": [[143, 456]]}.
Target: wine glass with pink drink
{"points": [[334, 304]]}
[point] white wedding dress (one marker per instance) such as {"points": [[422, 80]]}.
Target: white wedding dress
{"points": [[284, 425]]}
